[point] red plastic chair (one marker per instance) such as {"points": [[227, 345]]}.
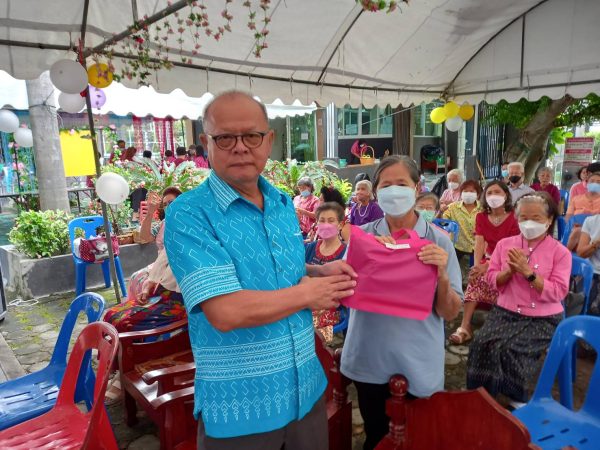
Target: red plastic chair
{"points": [[65, 426]]}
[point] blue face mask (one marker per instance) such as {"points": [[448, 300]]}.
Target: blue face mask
{"points": [[396, 201], [594, 187], [505, 173], [304, 193]]}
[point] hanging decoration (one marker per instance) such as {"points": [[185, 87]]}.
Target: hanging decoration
{"points": [[68, 76], [97, 97], [380, 5], [99, 75], [24, 137], [452, 114], [9, 122], [71, 103]]}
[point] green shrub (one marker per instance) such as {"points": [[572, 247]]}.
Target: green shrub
{"points": [[41, 233]]}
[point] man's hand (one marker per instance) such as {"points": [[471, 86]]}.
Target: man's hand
{"points": [[326, 292], [148, 288], [333, 268]]}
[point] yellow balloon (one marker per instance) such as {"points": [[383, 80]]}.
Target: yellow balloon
{"points": [[99, 76], [451, 110], [466, 112], [437, 115]]}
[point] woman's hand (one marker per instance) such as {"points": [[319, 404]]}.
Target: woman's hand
{"points": [[478, 270], [153, 200], [148, 288], [434, 255], [385, 240], [517, 262]]}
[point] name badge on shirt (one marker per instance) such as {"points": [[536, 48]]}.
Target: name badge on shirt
{"points": [[397, 246]]}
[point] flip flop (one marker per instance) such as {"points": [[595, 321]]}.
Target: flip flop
{"points": [[460, 336], [113, 392]]}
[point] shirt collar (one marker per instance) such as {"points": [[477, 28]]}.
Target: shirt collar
{"points": [[382, 228], [225, 195]]}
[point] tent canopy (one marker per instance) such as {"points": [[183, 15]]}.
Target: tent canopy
{"points": [[333, 50], [144, 101]]}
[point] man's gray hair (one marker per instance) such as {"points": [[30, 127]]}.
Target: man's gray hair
{"points": [[516, 164], [231, 94]]}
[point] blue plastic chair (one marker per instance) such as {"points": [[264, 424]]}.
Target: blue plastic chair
{"points": [[29, 396], [561, 225], [342, 325], [576, 219], [89, 225], [556, 425], [564, 196], [584, 268], [449, 226]]}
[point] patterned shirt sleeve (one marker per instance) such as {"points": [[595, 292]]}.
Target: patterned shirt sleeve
{"points": [[201, 265], [155, 228]]}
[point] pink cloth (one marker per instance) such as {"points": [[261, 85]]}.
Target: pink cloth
{"points": [[381, 287], [450, 196], [579, 188], [200, 162], [550, 259], [310, 203]]}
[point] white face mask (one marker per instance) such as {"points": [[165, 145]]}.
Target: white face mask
{"points": [[469, 197], [532, 229], [396, 201], [495, 201], [453, 186]]}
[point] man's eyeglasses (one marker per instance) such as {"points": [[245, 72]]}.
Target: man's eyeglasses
{"points": [[251, 139]]}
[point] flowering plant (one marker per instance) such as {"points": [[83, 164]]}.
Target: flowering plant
{"points": [[380, 5]]}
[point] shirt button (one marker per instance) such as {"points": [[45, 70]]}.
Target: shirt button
{"points": [[519, 310], [533, 304]]}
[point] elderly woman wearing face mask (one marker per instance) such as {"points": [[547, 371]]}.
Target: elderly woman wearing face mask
{"points": [[531, 273], [452, 194], [464, 212], [378, 346]]}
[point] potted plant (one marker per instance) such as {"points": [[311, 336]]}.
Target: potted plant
{"points": [[40, 234]]}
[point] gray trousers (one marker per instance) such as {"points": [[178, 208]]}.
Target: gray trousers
{"points": [[309, 433]]}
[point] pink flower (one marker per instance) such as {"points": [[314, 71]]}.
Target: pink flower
{"points": [[72, 131], [112, 126]]}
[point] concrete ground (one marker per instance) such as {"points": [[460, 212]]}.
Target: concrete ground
{"points": [[29, 332]]}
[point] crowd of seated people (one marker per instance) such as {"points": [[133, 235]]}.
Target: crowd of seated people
{"points": [[504, 256]]}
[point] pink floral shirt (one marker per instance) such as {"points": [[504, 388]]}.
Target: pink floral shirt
{"points": [[310, 203], [450, 196], [550, 259]]}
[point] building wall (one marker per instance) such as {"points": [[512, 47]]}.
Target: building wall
{"points": [[279, 151]]}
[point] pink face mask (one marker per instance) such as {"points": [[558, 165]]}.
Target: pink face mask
{"points": [[327, 230]]}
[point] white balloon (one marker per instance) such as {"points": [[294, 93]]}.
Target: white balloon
{"points": [[68, 76], [112, 188], [9, 122], [71, 103], [454, 123], [24, 137]]}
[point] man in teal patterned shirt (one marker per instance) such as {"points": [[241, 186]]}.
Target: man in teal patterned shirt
{"points": [[235, 247]]}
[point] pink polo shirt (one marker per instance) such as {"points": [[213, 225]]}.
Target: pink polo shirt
{"points": [[551, 260], [578, 188], [450, 196]]}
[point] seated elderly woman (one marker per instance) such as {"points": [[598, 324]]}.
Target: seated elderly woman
{"points": [[531, 273], [427, 205], [154, 299], [306, 204], [545, 184], [452, 194], [366, 209], [588, 203]]}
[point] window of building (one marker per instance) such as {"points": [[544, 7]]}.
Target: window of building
{"points": [[364, 121], [423, 124]]}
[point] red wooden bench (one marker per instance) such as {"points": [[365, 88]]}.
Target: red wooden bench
{"points": [[176, 408], [451, 421]]}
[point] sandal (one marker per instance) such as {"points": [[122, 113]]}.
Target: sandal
{"points": [[460, 336]]}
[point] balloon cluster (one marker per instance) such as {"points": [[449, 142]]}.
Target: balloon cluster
{"points": [[9, 123], [453, 114], [72, 80]]}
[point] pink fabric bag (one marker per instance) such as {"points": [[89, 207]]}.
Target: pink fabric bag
{"points": [[391, 279]]}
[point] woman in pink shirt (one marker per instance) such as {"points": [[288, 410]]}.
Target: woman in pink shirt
{"points": [[306, 204], [531, 273], [452, 194], [580, 187]]}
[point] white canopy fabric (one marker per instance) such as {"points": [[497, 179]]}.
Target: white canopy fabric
{"points": [[143, 102], [333, 51]]}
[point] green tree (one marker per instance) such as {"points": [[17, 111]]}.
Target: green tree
{"points": [[536, 121]]}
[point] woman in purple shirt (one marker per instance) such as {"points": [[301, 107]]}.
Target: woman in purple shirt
{"points": [[366, 209], [545, 177]]}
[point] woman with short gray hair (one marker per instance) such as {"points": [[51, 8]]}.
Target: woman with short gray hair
{"points": [[306, 204], [366, 209], [452, 194], [545, 184]]}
